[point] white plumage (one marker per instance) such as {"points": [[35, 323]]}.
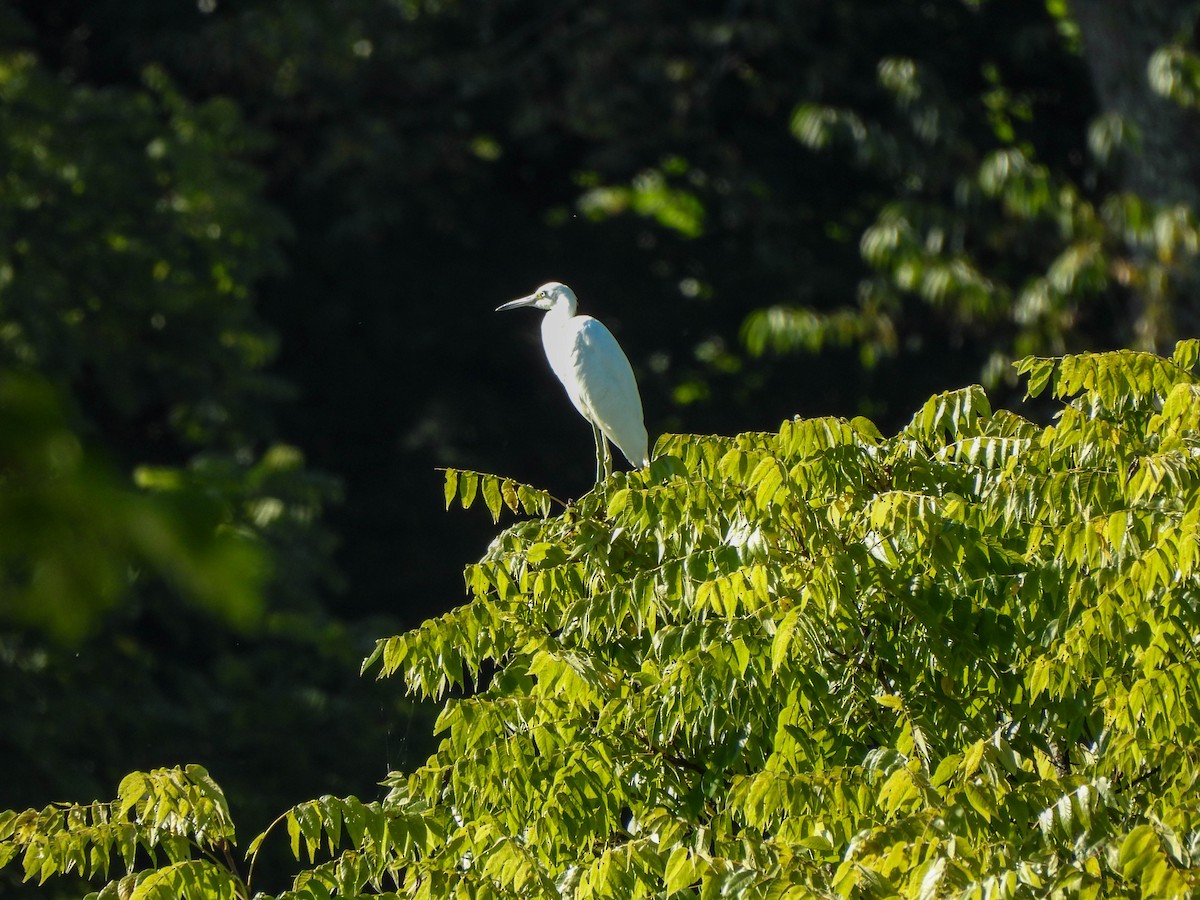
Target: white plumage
{"points": [[595, 372]]}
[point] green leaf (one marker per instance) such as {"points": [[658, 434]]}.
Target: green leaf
{"points": [[468, 485], [1138, 850], [680, 871], [492, 497], [617, 503], [1040, 371], [1187, 354]]}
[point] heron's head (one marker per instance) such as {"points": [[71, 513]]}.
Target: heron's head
{"points": [[551, 295]]}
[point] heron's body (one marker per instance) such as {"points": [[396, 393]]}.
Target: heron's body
{"points": [[595, 373]]}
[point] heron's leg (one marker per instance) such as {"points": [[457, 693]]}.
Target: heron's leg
{"points": [[599, 439], [608, 456]]}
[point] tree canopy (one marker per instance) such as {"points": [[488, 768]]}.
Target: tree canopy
{"points": [[956, 661]]}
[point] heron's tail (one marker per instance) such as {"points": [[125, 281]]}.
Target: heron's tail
{"points": [[634, 447]]}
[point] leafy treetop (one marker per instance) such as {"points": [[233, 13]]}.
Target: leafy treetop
{"points": [[957, 661]]}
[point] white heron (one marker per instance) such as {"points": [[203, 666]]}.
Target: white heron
{"points": [[595, 371]]}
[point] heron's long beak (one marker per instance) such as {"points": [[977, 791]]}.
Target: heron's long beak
{"points": [[513, 304]]}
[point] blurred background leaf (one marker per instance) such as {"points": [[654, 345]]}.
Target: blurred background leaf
{"points": [[73, 540]]}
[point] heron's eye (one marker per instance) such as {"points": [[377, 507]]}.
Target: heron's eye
{"points": [[541, 293]]}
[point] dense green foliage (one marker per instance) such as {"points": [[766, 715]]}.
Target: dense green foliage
{"points": [[958, 661]]}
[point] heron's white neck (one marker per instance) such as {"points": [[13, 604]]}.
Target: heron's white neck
{"points": [[564, 306], [557, 320]]}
